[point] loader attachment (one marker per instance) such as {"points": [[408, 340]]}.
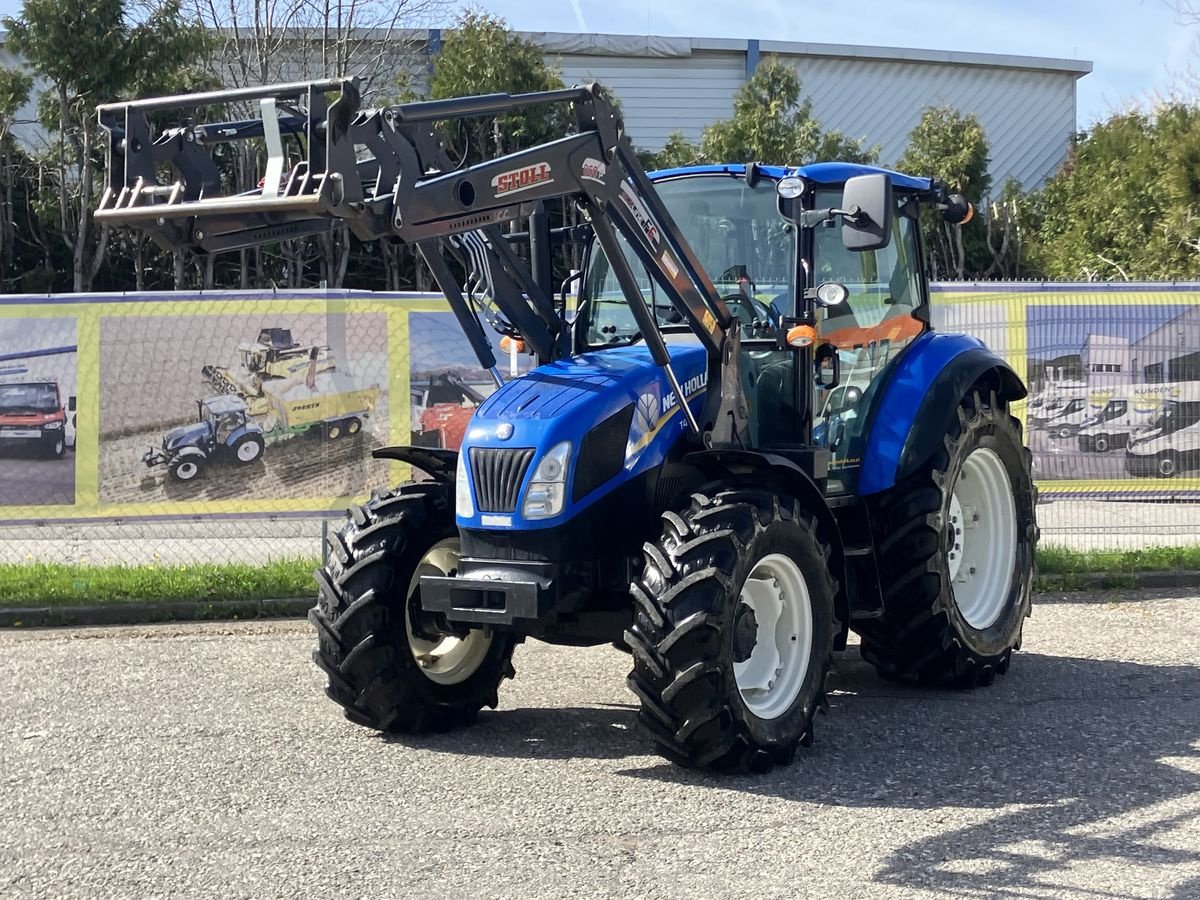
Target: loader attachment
{"points": [[385, 173]]}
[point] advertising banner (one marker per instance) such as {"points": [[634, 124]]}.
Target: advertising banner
{"points": [[1113, 372], [268, 404]]}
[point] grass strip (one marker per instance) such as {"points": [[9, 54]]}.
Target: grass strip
{"points": [[1061, 561], [59, 584]]}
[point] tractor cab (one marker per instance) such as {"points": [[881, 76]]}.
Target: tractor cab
{"points": [[866, 305], [223, 415]]}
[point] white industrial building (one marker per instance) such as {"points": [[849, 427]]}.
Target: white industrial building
{"points": [[1025, 104]]}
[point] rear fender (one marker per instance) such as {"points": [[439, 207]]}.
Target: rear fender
{"points": [[440, 465], [921, 399], [770, 471]]}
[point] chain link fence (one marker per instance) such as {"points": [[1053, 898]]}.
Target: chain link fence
{"points": [[238, 426]]}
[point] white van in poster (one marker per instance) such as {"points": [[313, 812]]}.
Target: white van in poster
{"points": [[1118, 412], [1170, 444]]}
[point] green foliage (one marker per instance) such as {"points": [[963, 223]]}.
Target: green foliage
{"points": [[1126, 206], [770, 124], [15, 87], [58, 584], [952, 148], [481, 56]]}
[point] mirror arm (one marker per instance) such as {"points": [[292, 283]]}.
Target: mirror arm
{"points": [[811, 218]]}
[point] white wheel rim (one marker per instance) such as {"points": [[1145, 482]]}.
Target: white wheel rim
{"points": [[353, 427], [248, 451], [186, 471], [770, 679], [450, 659], [981, 538], [1166, 466], [334, 432], [1101, 444]]}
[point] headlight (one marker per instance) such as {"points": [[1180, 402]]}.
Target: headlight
{"points": [[548, 488], [53, 426], [463, 506]]}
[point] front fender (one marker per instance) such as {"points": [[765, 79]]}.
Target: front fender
{"points": [[921, 399]]}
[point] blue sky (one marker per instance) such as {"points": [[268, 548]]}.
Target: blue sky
{"points": [[1136, 46]]}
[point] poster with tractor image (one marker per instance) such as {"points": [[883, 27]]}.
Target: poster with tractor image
{"points": [[240, 404], [1115, 394], [38, 411], [446, 382]]}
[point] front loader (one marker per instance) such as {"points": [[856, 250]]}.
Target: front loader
{"points": [[723, 476]]}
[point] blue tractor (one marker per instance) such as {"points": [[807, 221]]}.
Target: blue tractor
{"points": [[746, 442]]}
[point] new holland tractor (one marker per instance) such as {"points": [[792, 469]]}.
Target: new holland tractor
{"points": [[724, 477]]}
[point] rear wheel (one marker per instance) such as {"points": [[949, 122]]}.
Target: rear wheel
{"points": [[391, 667], [955, 544], [1101, 443], [733, 633], [353, 426], [249, 447], [334, 430]]}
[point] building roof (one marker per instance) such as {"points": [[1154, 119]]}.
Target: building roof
{"points": [[659, 46]]}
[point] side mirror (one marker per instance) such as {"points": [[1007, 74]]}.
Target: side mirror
{"points": [[958, 210], [870, 196], [70, 404]]}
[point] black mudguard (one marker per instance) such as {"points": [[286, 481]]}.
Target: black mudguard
{"points": [[439, 464]]}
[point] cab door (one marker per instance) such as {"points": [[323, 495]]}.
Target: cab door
{"points": [[868, 332]]}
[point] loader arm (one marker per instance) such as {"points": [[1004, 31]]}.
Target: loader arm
{"points": [[386, 174]]}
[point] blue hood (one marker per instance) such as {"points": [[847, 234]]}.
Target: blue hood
{"points": [[564, 400], [186, 436]]}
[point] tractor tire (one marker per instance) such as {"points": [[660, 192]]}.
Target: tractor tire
{"points": [[733, 631], [1166, 464], [248, 449], [370, 631], [955, 544], [186, 468]]}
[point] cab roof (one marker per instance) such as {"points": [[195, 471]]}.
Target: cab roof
{"points": [[818, 173], [225, 403]]}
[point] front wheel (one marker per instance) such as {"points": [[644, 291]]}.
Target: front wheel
{"points": [[955, 545], [733, 633], [186, 468], [1166, 464], [391, 667]]}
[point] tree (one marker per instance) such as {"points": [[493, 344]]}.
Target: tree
{"points": [[92, 51], [15, 88], [265, 41], [952, 148], [771, 124], [1126, 205], [481, 56]]}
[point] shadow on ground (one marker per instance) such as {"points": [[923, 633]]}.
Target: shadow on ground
{"points": [[1091, 754]]}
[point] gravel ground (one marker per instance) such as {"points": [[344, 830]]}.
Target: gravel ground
{"points": [[202, 761]]}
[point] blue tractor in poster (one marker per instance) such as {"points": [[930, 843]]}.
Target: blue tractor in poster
{"points": [[743, 443]]}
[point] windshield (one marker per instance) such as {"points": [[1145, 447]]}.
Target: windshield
{"points": [[1176, 415], [738, 236], [28, 397]]}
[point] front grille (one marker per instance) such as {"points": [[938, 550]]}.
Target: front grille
{"points": [[497, 474]]}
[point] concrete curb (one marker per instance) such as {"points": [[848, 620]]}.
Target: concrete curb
{"points": [[146, 613], [1101, 581]]}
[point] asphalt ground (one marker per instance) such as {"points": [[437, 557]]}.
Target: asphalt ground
{"points": [[29, 479], [203, 761]]}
